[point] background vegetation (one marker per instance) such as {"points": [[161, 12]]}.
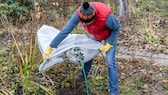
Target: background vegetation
{"points": [[145, 28]]}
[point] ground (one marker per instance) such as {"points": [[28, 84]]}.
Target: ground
{"points": [[137, 76]]}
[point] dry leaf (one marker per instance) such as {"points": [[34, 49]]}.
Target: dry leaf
{"points": [[165, 81]]}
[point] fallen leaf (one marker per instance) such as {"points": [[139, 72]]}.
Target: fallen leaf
{"points": [[165, 81]]}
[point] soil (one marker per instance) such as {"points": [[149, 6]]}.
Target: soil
{"points": [[149, 74]]}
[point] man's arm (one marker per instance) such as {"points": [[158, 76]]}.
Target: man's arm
{"points": [[113, 24], [68, 28]]}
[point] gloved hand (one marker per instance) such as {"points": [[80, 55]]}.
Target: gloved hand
{"points": [[106, 47], [47, 52]]}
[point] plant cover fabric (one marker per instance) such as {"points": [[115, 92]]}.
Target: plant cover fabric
{"points": [[68, 49]]}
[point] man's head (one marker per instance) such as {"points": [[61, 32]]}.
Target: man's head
{"points": [[87, 13]]}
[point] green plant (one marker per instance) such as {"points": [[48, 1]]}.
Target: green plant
{"points": [[153, 40], [144, 2], [26, 67], [137, 82], [150, 38], [27, 70], [13, 9], [165, 93], [127, 90], [162, 50], [65, 84], [131, 87]]}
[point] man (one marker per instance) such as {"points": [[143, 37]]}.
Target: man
{"points": [[98, 20]]}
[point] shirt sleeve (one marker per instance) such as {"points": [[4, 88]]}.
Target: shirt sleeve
{"points": [[68, 28], [113, 24]]}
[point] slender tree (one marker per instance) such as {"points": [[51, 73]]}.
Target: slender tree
{"points": [[123, 8], [136, 1]]}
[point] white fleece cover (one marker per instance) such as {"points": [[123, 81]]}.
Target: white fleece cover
{"points": [[65, 50]]}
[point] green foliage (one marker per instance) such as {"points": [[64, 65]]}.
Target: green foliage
{"points": [[29, 66], [27, 87], [165, 93], [144, 2], [157, 6], [8, 75], [137, 82], [131, 87], [150, 38], [153, 40], [65, 84], [127, 90], [13, 9], [162, 50], [99, 83], [161, 8]]}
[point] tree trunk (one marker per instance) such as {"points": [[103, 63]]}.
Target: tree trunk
{"points": [[123, 8], [137, 4]]}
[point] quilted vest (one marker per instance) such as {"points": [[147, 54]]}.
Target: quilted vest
{"points": [[98, 28]]}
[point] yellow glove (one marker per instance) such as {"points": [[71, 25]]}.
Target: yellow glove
{"points": [[47, 52], [106, 48]]}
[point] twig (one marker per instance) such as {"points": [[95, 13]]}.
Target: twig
{"points": [[49, 79], [17, 49], [4, 92], [96, 71], [42, 87]]}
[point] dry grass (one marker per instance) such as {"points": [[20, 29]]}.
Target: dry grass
{"points": [[136, 75]]}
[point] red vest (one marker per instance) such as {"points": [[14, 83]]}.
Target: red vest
{"points": [[98, 28]]}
